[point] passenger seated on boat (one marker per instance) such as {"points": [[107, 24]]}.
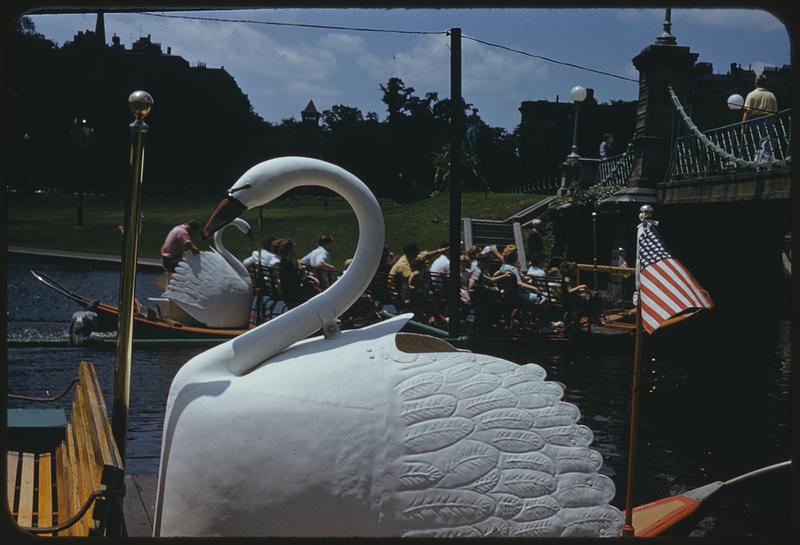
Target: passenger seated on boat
{"points": [[484, 287], [526, 294], [295, 287], [441, 265], [416, 292], [268, 257], [465, 273], [387, 260], [401, 269], [579, 302], [319, 261], [536, 268], [473, 253]]}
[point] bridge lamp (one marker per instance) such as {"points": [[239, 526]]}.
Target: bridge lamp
{"points": [[735, 102], [578, 94]]}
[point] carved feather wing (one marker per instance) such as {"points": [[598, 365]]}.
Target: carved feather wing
{"points": [[488, 448], [208, 289]]}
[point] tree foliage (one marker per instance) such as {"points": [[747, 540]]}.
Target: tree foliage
{"points": [[196, 151]]}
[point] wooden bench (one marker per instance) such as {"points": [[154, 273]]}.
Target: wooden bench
{"points": [[550, 287], [51, 493]]}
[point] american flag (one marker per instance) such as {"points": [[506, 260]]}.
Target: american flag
{"points": [[667, 291]]}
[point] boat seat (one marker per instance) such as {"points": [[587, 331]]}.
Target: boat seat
{"points": [[270, 293], [550, 287], [52, 493]]}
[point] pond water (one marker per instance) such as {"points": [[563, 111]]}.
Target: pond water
{"points": [[715, 392]]}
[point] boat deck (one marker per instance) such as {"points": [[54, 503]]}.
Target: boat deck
{"points": [[140, 504]]}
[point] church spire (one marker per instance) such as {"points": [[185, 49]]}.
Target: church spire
{"points": [[100, 29]]}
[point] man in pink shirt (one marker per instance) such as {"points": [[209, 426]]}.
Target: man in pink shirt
{"points": [[177, 242]]}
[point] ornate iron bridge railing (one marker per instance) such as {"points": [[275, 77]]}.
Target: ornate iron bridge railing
{"points": [[547, 186], [758, 143], [616, 170]]}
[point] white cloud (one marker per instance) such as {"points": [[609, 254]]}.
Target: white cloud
{"points": [[753, 18], [347, 43], [732, 18], [309, 89], [354, 49]]}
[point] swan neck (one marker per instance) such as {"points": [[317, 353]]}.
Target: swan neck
{"points": [[232, 260], [276, 177]]}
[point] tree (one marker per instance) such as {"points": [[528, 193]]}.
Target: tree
{"points": [[341, 116], [396, 97], [471, 179], [25, 25]]}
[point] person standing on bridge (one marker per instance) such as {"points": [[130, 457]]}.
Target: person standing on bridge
{"points": [[759, 105], [606, 146]]}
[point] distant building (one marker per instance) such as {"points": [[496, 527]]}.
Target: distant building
{"points": [[545, 130], [310, 115], [708, 94]]}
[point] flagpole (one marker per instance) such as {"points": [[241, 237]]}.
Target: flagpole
{"points": [[646, 213]]}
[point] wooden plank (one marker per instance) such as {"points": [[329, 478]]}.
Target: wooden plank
{"points": [[89, 402], [88, 469], [61, 486], [111, 452], [80, 468], [73, 491], [12, 461], [86, 437], [45, 503], [26, 479]]}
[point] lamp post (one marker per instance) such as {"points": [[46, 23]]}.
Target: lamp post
{"points": [[735, 103], [578, 94], [594, 247], [82, 141]]}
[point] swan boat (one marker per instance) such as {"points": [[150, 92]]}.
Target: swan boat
{"points": [[347, 434], [213, 287], [208, 297], [144, 326]]}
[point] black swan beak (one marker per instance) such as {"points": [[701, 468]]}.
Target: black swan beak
{"points": [[227, 210]]}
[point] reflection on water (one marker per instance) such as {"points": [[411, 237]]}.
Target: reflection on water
{"points": [[714, 395]]}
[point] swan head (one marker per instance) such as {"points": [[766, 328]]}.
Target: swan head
{"points": [[244, 227], [263, 183], [228, 210]]}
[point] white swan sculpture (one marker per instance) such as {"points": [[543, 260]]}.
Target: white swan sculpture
{"points": [[214, 287], [347, 435]]}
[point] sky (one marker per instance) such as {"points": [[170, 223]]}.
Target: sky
{"points": [[282, 68]]}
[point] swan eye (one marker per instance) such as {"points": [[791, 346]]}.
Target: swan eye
{"points": [[230, 192]]}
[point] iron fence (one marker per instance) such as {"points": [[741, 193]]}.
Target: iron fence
{"points": [[757, 143]]}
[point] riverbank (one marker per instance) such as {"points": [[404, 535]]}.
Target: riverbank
{"points": [[143, 262], [47, 222]]}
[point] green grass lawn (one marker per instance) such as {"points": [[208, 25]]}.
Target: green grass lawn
{"points": [[48, 222]]}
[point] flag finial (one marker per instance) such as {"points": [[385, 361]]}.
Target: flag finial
{"points": [[645, 212]]}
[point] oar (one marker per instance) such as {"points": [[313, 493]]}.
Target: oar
{"points": [[653, 518], [52, 284]]}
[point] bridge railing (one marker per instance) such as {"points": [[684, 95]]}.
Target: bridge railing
{"points": [[753, 144], [546, 186], [615, 171]]}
